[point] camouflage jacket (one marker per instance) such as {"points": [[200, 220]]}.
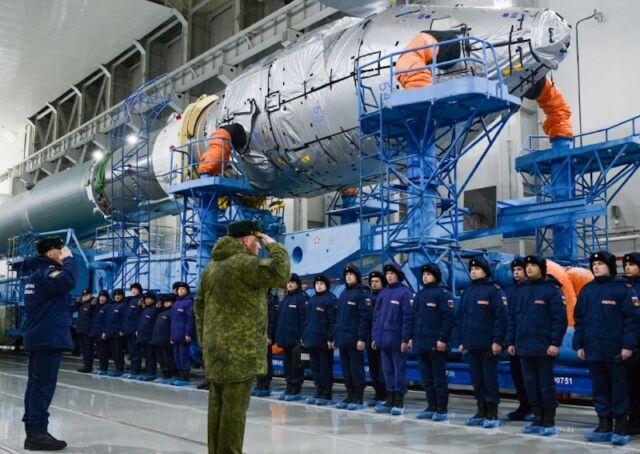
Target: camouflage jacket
{"points": [[231, 309]]}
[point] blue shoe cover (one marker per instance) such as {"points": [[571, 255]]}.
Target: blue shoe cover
{"points": [[426, 414], [311, 400], [102, 372], [548, 431], [532, 429], [181, 383], [380, 408], [440, 416], [619, 440], [262, 392], [114, 373], [598, 436], [474, 421], [397, 411], [491, 423], [354, 406], [529, 417], [292, 397], [323, 402]]}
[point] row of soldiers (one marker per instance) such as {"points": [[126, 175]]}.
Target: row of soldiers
{"points": [[529, 319], [156, 329]]}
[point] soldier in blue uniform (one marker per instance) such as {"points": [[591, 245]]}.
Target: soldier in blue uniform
{"points": [[183, 332], [263, 382], [352, 329], [320, 316], [392, 322], [129, 324], [631, 264], [98, 327], [607, 316], [377, 282], [144, 330], [523, 412], [83, 330], [113, 330], [46, 335], [482, 316], [289, 336], [161, 340], [434, 319], [536, 328]]}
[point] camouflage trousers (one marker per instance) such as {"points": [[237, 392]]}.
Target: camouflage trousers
{"points": [[228, 404]]}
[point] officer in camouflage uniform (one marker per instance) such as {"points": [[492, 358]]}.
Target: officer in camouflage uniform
{"points": [[231, 322]]}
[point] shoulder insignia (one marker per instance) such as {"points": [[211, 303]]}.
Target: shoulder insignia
{"points": [[505, 301], [450, 304], [54, 274], [564, 300]]}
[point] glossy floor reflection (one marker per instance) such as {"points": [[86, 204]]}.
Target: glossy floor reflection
{"points": [[110, 415]]}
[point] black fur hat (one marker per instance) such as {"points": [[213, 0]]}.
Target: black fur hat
{"points": [[480, 262], [394, 268], [295, 278], [631, 257], [46, 244], [380, 276], [606, 257], [351, 268], [243, 228], [433, 269], [517, 262], [322, 278], [537, 260]]}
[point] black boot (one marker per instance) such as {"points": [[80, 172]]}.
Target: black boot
{"points": [[620, 436], [491, 421], [633, 424], [520, 413], [347, 400], [43, 442], [537, 424], [398, 405], [85, 370], [604, 430], [203, 385], [328, 394], [357, 403], [549, 422], [478, 418]]}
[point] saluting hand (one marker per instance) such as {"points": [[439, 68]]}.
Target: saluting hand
{"points": [[266, 239], [65, 252]]}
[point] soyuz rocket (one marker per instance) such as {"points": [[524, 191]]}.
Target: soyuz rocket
{"points": [[299, 108]]}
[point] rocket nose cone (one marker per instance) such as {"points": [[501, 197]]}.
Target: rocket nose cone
{"points": [[551, 38]]}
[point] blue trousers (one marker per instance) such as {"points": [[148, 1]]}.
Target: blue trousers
{"points": [[181, 355], [135, 354], [484, 375], [104, 351], [293, 375], [150, 358], [352, 365], [165, 358], [537, 372], [610, 390], [433, 370], [264, 381], [321, 366], [375, 370], [116, 345], [394, 366], [87, 349], [41, 385]]}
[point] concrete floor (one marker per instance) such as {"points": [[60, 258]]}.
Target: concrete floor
{"points": [[109, 415]]}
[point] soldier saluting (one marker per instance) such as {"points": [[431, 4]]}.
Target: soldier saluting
{"points": [[46, 335], [231, 323]]}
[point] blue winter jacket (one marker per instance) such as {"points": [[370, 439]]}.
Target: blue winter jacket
{"points": [[131, 315], [85, 316], [290, 322], [114, 317], [46, 303], [273, 308], [482, 315], [161, 334], [434, 317], [99, 319], [146, 321], [539, 318], [393, 316], [353, 317], [320, 315], [183, 322], [513, 293], [607, 318]]}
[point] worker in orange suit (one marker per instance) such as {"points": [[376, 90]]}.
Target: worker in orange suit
{"points": [[416, 59], [557, 124], [216, 159]]}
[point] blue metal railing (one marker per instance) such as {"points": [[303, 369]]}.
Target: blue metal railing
{"points": [[487, 66]]}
